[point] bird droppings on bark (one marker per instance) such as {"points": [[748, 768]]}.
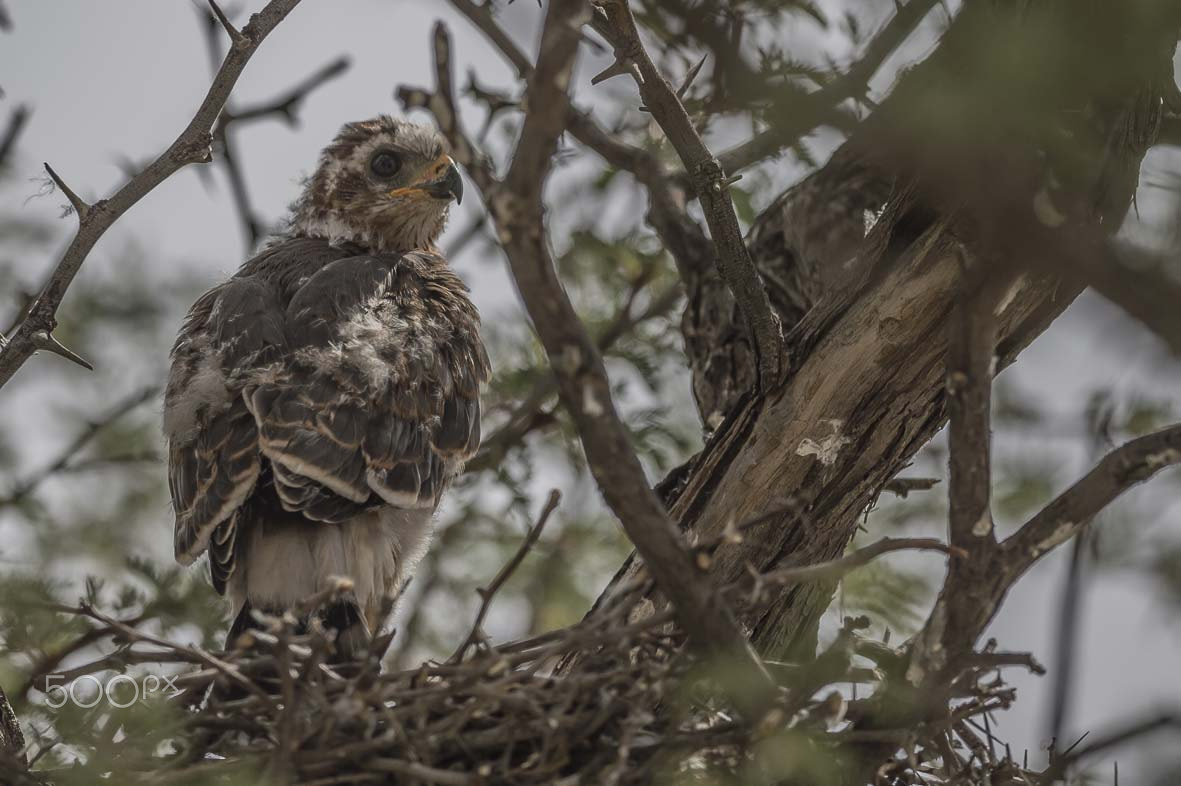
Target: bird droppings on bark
{"points": [[827, 449]]}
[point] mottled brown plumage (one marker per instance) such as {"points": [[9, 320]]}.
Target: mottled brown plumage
{"points": [[321, 400]]}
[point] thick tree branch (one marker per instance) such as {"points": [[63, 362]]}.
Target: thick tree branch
{"points": [[517, 209], [529, 415], [582, 379], [951, 628], [709, 181], [192, 146], [969, 401]]}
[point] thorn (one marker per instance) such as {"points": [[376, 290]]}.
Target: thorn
{"points": [[618, 68], [79, 205], [689, 77], [44, 341], [732, 180], [235, 35]]}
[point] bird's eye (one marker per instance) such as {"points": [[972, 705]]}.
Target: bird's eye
{"points": [[384, 164]]}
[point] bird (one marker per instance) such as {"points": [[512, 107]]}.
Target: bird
{"points": [[321, 400]]}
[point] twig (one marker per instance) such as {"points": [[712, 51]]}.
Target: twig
{"points": [[1122, 468], [489, 592], [192, 146], [420, 772], [835, 569], [903, 487], [63, 462], [1129, 732], [529, 415], [131, 634], [809, 111], [709, 181], [16, 123], [583, 386], [285, 106]]}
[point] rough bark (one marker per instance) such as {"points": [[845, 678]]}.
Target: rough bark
{"points": [[869, 314]]}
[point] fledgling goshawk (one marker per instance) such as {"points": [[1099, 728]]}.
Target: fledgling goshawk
{"points": [[320, 401]]}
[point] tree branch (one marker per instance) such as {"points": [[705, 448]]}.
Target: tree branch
{"points": [[192, 146], [709, 181], [970, 362], [582, 379], [812, 109], [16, 123], [506, 571], [1118, 471], [517, 209], [63, 462]]}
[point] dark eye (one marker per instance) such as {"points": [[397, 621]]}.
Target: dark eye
{"points": [[384, 164]]}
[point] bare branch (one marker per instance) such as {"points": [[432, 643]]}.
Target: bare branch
{"points": [[288, 103], [65, 458], [442, 104], [503, 575], [835, 569], [709, 182], [814, 109], [582, 379], [285, 106], [192, 146], [681, 235], [16, 123], [972, 340], [1114, 739], [1118, 471]]}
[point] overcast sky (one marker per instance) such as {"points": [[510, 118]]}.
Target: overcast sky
{"points": [[108, 80]]}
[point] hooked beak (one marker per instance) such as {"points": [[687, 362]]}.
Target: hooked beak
{"points": [[449, 186]]}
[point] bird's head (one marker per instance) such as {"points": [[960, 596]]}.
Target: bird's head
{"points": [[385, 184]]}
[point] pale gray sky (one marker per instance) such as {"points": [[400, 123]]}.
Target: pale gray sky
{"points": [[122, 78]]}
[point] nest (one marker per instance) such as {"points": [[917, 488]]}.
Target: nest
{"points": [[615, 699]]}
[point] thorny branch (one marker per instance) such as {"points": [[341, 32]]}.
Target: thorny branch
{"points": [[515, 204], [285, 107], [809, 111], [682, 236], [16, 123], [192, 146], [710, 183]]}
